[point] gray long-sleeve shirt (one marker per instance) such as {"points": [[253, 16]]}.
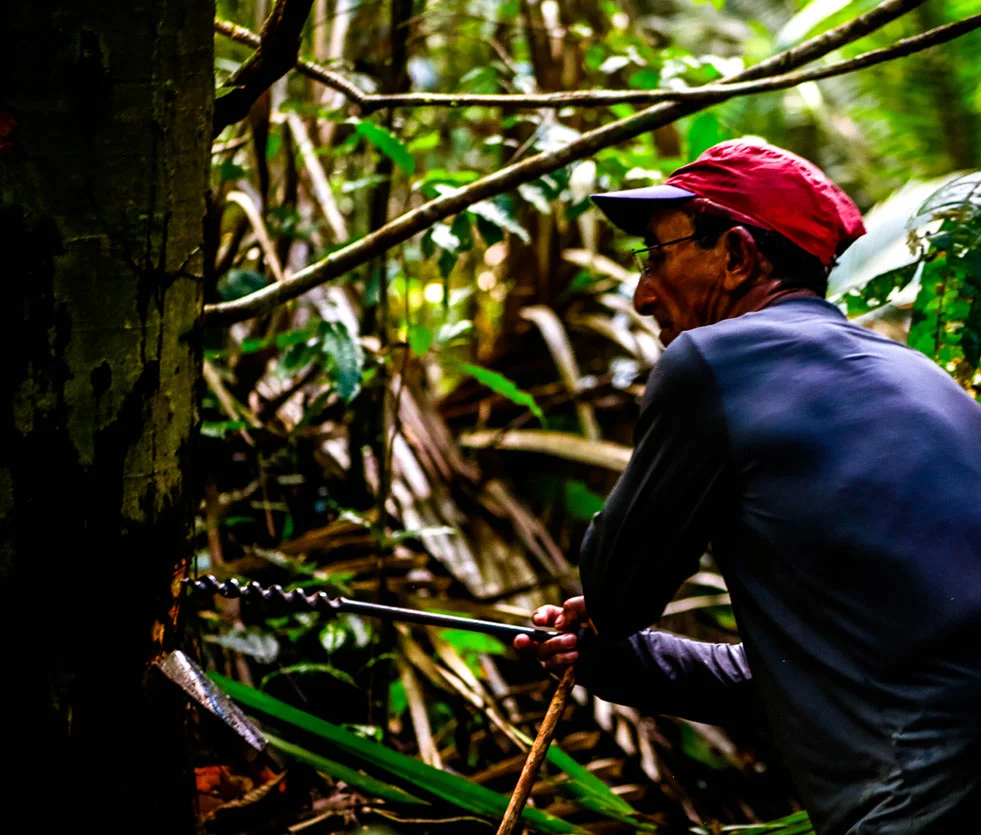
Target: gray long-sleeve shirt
{"points": [[837, 475]]}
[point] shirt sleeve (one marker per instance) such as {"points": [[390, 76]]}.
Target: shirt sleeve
{"points": [[658, 519], [662, 673]]}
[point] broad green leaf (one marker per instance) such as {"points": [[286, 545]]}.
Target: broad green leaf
{"points": [[420, 339], [502, 385], [424, 779], [346, 359], [580, 501], [388, 144], [230, 171], [594, 57], [362, 782], [447, 261], [462, 230], [425, 142]]}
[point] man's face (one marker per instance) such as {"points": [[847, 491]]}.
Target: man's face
{"points": [[682, 284]]}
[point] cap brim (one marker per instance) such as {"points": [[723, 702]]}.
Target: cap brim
{"points": [[625, 209]]}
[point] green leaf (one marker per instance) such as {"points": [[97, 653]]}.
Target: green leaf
{"points": [[425, 142], [502, 385], [447, 261], [493, 213], [704, 131], [274, 144], [346, 359], [472, 642], [420, 339], [509, 10], [388, 144], [452, 788], [361, 782], [229, 171], [332, 637], [398, 702], [306, 669], [595, 55], [463, 232], [220, 428], [646, 78], [580, 501], [489, 232], [237, 283]]}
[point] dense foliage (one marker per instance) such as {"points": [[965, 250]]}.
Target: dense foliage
{"points": [[436, 427]]}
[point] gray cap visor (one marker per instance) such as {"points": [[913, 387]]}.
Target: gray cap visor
{"points": [[626, 209]]}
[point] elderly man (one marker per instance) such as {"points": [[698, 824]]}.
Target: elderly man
{"points": [[836, 475]]}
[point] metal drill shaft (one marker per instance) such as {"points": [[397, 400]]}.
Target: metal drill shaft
{"points": [[299, 600]]}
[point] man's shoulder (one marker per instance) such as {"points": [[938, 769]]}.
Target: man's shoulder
{"points": [[801, 326]]}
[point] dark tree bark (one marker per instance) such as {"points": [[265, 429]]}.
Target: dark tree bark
{"points": [[105, 127]]}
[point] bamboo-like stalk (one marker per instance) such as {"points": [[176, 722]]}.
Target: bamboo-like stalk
{"points": [[538, 751]]}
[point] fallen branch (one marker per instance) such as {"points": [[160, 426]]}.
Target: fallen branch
{"points": [[279, 43], [410, 223]]}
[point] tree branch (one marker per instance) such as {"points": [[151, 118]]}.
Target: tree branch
{"points": [[404, 227], [275, 56], [708, 92], [317, 72]]}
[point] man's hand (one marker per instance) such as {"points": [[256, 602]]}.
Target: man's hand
{"points": [[556, 653]]}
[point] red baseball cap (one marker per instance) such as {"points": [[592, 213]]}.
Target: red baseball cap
{"points": [[760, 185]]}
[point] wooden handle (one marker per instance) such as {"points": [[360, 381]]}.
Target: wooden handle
{"points": [[538, 751]]}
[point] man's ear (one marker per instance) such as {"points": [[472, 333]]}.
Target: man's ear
{"points": [[742, 257]]}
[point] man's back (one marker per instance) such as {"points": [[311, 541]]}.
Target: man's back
{"points": [[849, 531]]}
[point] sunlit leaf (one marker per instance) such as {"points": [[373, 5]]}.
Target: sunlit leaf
{"points": [[493, 213]]}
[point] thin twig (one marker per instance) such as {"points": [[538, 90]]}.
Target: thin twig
{"points": [[410, 223], [317, 72]]}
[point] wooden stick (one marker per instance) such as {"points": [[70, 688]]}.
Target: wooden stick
{"points": [[538, 751]]}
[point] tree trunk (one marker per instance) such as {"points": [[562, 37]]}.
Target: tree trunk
{"points": [[105, 126]]}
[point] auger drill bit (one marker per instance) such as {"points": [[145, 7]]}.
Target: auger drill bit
{"points": [[298, 600]]}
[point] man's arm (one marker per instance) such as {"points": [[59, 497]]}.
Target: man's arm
{"points": [[661, 673], [654, 671], [657, 520]]}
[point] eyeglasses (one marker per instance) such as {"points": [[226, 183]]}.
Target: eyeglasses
{"points": [[641, 254]]}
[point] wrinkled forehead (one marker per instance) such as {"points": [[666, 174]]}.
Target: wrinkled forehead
{"points": [[667, 223]]}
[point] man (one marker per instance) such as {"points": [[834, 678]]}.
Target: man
{"points": [[836, 475]]}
